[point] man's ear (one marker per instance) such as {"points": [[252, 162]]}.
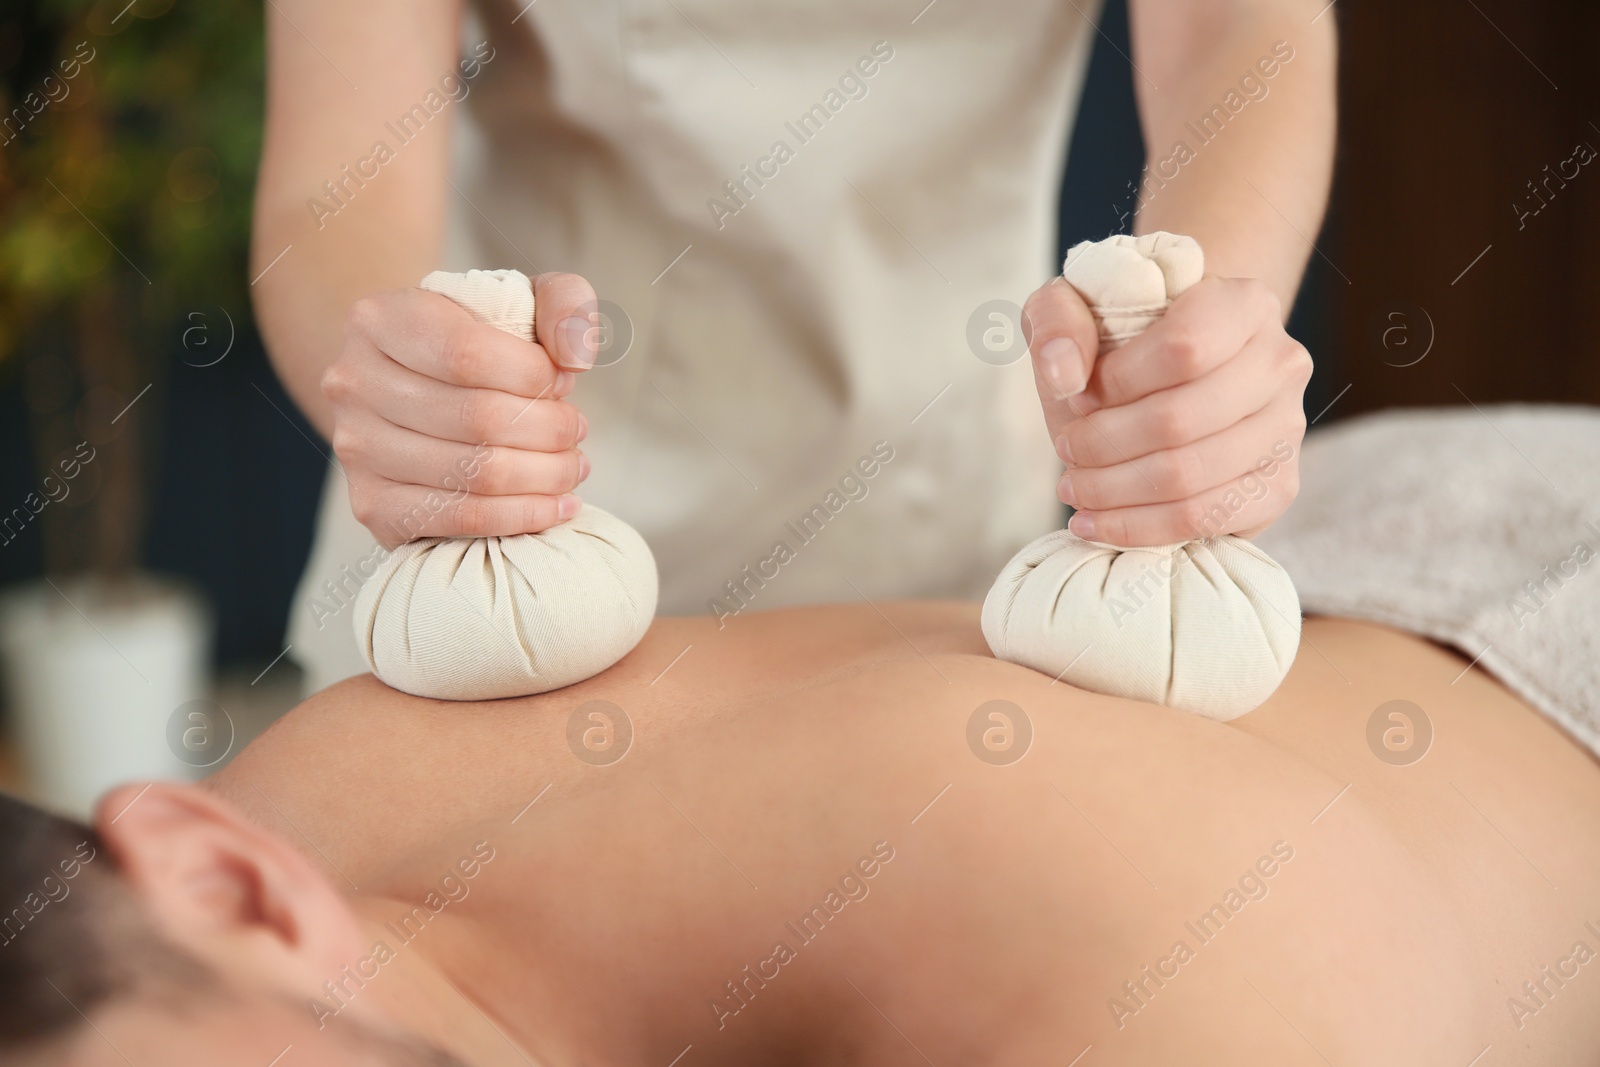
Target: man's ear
{"points": [[232, 894]]}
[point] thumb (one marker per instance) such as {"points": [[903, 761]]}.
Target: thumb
{"points": [[1064, 342], [565, 319]]}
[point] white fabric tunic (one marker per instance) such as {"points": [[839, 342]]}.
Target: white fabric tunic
{"points": [[797, 211]]}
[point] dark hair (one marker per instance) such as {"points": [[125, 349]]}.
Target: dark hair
{"points": [[72, 940], [56, 897]]}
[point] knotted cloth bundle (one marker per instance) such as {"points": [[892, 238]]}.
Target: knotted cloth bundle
{"points": [[1210, 626], [490, 617]]}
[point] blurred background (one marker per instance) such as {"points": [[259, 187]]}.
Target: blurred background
{"points": [[157, 488]]}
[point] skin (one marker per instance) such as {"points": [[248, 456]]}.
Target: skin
{"points": [[410, 389], [423, 390], [1402, 907], [1157, 433]]}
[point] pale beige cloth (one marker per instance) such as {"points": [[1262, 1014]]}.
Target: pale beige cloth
{"points": [[490, 617], [1474, 526], [499, 298], [1210, 626], [772, 347]]}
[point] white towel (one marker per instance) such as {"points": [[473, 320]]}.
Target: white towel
{"points": [[1476, 527]]}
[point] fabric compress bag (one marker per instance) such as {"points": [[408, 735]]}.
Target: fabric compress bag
{"points": [[481, 618], [1210, 625]]}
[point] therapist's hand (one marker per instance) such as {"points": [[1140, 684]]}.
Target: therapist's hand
{"points": [[447, 427], [1192, 429]]}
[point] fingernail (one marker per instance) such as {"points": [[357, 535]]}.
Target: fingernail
{"points": [[563, 384], [583, 466], [1063, 366], [577, 340], [1082, 524], [567, 507], [583, 426], [1064, 449], [1064, 490]]}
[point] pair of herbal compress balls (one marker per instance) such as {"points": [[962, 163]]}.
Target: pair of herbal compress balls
{"points": [[1210, 626]]}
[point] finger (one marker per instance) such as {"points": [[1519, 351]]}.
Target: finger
{"points": [[432, 335], [1205, 327], [1063, 341], [398, 513], [1178, 416], [405, 456], [566, 319], [1228, 509], [472, 416], [1242, 451]]}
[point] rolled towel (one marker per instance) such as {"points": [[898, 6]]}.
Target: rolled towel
{"points": [[1211, 625], [490, 617]]}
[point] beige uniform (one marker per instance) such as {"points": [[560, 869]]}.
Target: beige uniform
{"points": [[794, 215]]}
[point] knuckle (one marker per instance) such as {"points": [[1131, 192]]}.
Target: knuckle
{"points": [[1111, 527], [479, 417], [1087, 490], [1129, 531], [571, 472], [538, 513], [1297, 423], [1081, 443], [459, 355], [1193, 517], [498, 481], [1288, 422], [1114, 380], [567, 431], [348, 444], [363, 504], [1182, 472], [472, 516], [555, 426], [1263, 300], [1170, 423], [570, 293], [483, 475], [411, 512], [363, 316], [1301, 365], [1183, 348], [337, 383]]}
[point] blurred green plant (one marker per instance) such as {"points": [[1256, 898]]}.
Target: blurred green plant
{"points": [[129, 136], [139, 174]]}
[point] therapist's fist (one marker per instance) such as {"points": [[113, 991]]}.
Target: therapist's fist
{"points": [[1191, 429], [448, 427]]}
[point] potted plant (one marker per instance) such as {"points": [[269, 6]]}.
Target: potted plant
{"points": [[128, 141]]}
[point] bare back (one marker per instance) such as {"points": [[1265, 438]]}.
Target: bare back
{"points": [[1128, 879]]}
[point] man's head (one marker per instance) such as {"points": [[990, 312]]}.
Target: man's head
{"points": [[172, 932]]}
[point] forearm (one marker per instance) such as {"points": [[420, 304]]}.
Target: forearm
{"points": [[1237, 157], [302, 300], [345, 206]]}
